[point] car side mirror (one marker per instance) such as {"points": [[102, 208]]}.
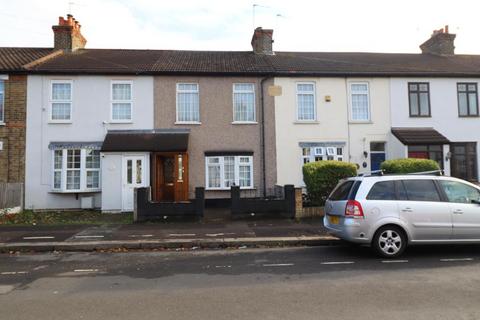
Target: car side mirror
{"points": [[475, 201]]}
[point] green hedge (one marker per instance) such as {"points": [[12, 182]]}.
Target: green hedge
{"points": [[321, 177], [409, 165]]}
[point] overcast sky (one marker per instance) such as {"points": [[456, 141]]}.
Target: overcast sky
{"points": [[299, 25]]}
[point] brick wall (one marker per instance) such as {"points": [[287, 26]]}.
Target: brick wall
{"points": [[12, 134]]}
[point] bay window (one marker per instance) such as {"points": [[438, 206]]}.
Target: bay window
{"points": [[223, 172], [76, 170]]}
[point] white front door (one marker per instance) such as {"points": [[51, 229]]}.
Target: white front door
{"points": [[133, 176]]}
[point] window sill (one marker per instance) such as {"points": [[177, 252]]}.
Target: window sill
{"points": [[244, 122], [228, 189], [120, 121], [474, 116], [59, 122], [76, 191], [188, 122], [420, 116], [306, 122], [360, 122], [2, 123]]}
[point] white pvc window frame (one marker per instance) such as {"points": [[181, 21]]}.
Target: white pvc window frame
{"points": [[83, 172], [221, 164], [314, 95], [235, 95], [121, 101], [366, 93], [62, 101], [193, 91]]}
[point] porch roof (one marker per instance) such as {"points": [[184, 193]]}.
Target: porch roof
{"points": [[417, 136], [157, 140]]}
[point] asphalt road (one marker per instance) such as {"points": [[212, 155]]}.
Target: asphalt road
{"points": [[338, 282]]}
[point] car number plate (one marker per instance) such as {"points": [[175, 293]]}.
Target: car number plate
{"points": [[334, 219]]}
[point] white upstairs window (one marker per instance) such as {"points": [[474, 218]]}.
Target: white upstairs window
{"points": [[121, 101], [244, 102], [359, 101], [306, 101], [188, 104], [61, 101], [223, 172]]}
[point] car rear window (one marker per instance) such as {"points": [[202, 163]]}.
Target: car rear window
{"points": [[341, 191], [421, 190], [384, 190]]}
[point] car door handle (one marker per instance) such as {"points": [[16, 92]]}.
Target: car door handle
{"points": [[458, 211], [407, 210]]}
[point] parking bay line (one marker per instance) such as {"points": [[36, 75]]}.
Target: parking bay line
{"points": [[38, 237], [85, 270], [182, 234], [394, 261], [83, 237], [278, 264], [13, 272], [337, 262], [456, 259]]}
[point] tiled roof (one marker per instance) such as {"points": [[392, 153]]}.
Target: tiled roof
{"points": [[410, 136], [123, 61], [156, 61], [12, 59]]}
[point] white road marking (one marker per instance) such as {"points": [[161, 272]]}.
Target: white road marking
{"points": [[40, 267], [278, 264], [13, 272], [223, 266], [82, 237], [218, 234], [141, 235], [338, 262], [85, 270], [38, 238], [394, 261], [457, 259], [181, 234]]}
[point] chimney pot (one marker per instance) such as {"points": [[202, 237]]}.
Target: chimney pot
{"points": [[262, 41], [67, 35], [440, 43]]}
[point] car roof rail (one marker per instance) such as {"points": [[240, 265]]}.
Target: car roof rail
{"points": [[371, 173], [433, 172]]}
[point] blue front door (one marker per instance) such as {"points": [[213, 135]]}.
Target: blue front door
{"points": [[376, 160]]}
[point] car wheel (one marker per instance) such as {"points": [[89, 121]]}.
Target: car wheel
{"points": [[389, 241]]}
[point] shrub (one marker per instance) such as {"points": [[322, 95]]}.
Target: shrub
{"points": [[409, 165], [322, 176]]}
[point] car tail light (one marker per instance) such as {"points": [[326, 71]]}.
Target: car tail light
{"points": [[353, 209]]}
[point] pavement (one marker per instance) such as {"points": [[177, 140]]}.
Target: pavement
{"points": [[176, 235], [325, 282]]}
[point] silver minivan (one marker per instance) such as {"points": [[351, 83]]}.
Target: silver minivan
{"points": [[392, 211]]}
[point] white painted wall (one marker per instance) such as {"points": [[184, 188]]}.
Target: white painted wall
{"points": [[444, 110], [90, 108], [333, 123]]}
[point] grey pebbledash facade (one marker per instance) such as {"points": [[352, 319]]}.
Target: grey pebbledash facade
{"points": [[101, 122]]}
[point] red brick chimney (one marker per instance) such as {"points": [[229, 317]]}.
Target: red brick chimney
{"points": [[262, 41], [440, 43], [67, 34]]}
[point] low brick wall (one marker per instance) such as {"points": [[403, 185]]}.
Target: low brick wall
{"points": [[145, 209], [310, 212]]}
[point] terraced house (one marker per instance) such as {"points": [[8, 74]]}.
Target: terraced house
{"points": [[102, 122]]}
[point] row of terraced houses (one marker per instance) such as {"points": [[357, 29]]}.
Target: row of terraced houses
{"points": [[85, 127]]}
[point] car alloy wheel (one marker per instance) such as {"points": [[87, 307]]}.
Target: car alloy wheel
{"points": [[390, 241]]}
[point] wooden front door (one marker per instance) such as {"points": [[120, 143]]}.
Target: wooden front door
{"points": [[171, 177]]}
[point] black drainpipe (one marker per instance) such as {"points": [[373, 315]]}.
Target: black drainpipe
{"points": [[262, 138]]}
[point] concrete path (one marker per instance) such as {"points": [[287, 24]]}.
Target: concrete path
{"points": [[165, 235]]}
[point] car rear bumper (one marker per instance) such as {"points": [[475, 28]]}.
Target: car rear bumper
{"points": [[349, 229]]}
